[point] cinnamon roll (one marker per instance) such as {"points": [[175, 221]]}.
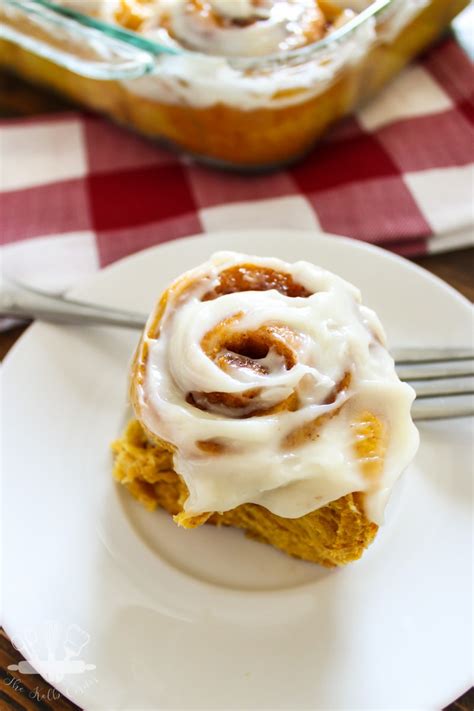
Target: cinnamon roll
{"points": [[266, 399]]}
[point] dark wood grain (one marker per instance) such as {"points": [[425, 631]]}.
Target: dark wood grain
{"points": [[21, 692], [8, 338], [26, 692], [456, 268]]}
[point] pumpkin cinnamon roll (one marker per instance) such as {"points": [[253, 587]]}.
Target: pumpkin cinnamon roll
{"points": [[266, 399]]}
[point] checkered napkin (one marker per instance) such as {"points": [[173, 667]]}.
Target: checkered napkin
{"points": [[77, 192]]}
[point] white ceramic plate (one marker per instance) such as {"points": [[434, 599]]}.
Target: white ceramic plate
{"points": [[122, 610]]}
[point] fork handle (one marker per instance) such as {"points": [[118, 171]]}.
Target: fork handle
{"points": [[23, 303]]}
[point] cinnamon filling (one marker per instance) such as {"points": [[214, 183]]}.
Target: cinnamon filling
{"points": [[229, 348], [241, 403], [255, 345], [253, 277], [211, 446]]}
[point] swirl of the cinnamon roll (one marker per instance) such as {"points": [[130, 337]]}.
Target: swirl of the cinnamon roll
{"points": [[242, 27], [272, 385]]}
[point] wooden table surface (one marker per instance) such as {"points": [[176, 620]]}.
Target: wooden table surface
{"points": [[22, 692]]}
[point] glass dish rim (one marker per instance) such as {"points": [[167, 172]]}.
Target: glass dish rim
{"points": [[130, 37]]}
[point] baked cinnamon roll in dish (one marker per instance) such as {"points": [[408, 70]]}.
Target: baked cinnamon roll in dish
{"points": [[245, 83], [265, 399]]}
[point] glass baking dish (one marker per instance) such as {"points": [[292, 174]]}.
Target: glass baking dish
{"points": [[240, 111]]}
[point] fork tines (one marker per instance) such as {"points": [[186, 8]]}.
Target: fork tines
{"points": [[431, 355], [435, 371], [440, 408], [442, 379]]}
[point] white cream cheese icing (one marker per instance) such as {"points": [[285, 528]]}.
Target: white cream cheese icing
{"points": [[239, 28], [236, 9], [333, 335]]}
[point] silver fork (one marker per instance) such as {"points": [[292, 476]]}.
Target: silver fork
{"points": [[443, 378]]}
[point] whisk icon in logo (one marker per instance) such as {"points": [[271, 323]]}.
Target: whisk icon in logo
{"points": [[53, 651]]}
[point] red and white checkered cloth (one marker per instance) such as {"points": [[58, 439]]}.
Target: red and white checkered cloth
{"points": [[78, 193]]}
